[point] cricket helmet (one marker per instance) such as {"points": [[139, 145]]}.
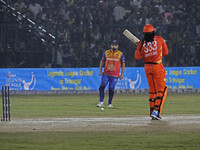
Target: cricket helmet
{"points": [[148, 28]]}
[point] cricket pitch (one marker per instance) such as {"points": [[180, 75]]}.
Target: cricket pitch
{"points": [[107, 124]]}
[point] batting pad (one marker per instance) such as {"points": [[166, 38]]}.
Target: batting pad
{"points": [[163, 100]]}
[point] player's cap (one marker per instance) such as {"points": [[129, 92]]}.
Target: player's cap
{"points": [[115, 42], [148, 28]]}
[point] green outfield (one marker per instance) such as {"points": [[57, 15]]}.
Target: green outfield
{"points": [[82, 106]]}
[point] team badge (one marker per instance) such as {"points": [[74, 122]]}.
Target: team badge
{"points": [[111, 67]]}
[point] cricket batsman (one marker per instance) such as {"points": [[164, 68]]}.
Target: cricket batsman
{"points": [[151, 49], [113, 59]]}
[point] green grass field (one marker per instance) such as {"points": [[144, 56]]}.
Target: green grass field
{"points": [[63, 106]]}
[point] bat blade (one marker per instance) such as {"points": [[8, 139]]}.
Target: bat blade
{"points": [[131, 37]]}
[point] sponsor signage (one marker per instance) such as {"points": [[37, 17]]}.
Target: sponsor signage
{"points": [[89, 79]]}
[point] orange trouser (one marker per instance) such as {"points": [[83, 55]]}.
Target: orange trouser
{"points": [[155, 74]]}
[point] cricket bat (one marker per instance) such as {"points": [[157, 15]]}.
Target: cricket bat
{"points": [[131, 37]]}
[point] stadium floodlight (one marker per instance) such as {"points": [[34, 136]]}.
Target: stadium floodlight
{"points": [[44, 30], [51, 35], [15, 13], [11, 7], [3, 1], [31, 21]]}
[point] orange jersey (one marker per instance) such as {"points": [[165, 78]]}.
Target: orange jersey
{"points": [[152, 51], [113, 62]]}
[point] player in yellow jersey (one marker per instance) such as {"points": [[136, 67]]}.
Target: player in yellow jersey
{"points": [[114, 60]]}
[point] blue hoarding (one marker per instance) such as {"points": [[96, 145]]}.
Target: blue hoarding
{"points": [[89, 79]]}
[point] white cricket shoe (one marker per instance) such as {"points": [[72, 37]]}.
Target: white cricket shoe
{"points": [[110, 106], [100, 104]]}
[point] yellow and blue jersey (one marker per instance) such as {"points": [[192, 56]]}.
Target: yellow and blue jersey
{"points": [[113, 60]]}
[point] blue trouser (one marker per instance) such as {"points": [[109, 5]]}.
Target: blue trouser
{"points": [[104, 81]]}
